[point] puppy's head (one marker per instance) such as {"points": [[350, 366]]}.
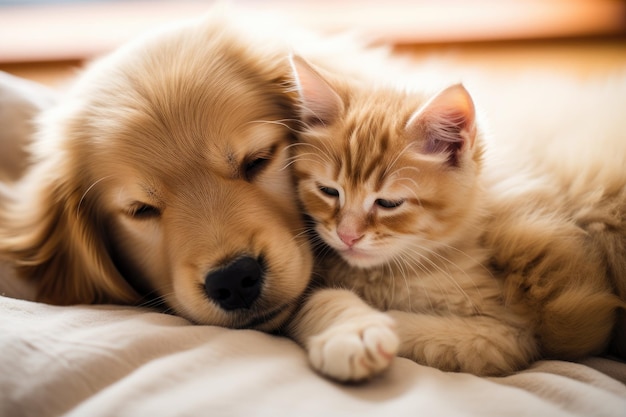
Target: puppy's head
{"points": [[163, 176]]}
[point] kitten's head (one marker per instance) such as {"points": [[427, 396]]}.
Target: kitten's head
{"points": [[383, 173]]}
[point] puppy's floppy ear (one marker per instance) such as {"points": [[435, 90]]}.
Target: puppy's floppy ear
{"points": [[55, 234]]}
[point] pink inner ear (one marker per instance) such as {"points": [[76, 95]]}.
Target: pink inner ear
{"points": [[444, 134], [445, 124], [320, 102]]}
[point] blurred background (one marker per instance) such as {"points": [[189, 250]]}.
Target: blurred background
{"points": [[46, 40]]}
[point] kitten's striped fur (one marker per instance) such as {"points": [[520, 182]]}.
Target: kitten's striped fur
{"points": [[397, 185]]}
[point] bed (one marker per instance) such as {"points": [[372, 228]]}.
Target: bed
{"points": [[126, 361], [108, 360]]}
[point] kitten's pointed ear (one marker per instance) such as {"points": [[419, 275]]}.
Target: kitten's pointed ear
{"points": [[445, 124], [320, 102]]}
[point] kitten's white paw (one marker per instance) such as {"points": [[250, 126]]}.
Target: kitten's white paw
{"points": [[355, 350]]}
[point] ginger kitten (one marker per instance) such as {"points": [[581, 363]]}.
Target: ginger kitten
{"points": [[408, 215]]}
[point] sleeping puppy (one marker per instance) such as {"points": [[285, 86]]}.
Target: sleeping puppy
{"points": [[163, 178]]}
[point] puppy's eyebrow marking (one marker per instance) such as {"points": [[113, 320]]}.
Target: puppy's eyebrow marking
{"points": [[150, 191], [233, 163]]}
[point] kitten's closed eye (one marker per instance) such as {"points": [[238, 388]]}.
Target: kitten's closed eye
{"points": [[389, 204], [329, 191]]}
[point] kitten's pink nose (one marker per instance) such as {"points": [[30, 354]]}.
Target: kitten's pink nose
{"points": [[349, 238]]}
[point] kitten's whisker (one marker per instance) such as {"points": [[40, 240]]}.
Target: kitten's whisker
{"points": [[392, 287], [410, 168], [471, 258], [462, 270], [422, 268], [280, 122], [411, 191], [445, 273], [296, 158], [288, 164], [443, 288], [404, 274], [395, 160], [448, 261], [324, 153], [304, 232], [328, 151]]}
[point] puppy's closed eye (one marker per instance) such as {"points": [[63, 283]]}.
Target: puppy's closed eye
{"points": [[143, 211], [255, 164], [254, 167]]}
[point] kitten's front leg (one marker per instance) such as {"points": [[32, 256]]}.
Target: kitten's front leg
{"points": [[481, 345], [345, 338]]}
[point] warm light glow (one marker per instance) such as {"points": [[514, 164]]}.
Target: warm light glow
{"points": [[76, 31]]}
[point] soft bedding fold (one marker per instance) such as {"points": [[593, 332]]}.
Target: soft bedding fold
{"points": [[122, 361]]}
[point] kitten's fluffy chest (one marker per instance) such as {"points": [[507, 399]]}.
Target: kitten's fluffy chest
{"points": [[449, 282]]}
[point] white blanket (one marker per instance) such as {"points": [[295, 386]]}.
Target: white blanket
{"points": [[124, 361]]}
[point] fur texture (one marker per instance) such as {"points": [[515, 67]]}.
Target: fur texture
{"points": [[485, 268], [167, 169]]}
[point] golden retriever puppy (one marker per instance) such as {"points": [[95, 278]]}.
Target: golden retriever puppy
{"points": [[163, 178]]}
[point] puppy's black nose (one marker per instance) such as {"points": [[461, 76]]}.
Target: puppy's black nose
{"points": [[236, 285]]}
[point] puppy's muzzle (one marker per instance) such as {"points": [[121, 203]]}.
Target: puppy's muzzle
{"points": [[236, 285]]}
